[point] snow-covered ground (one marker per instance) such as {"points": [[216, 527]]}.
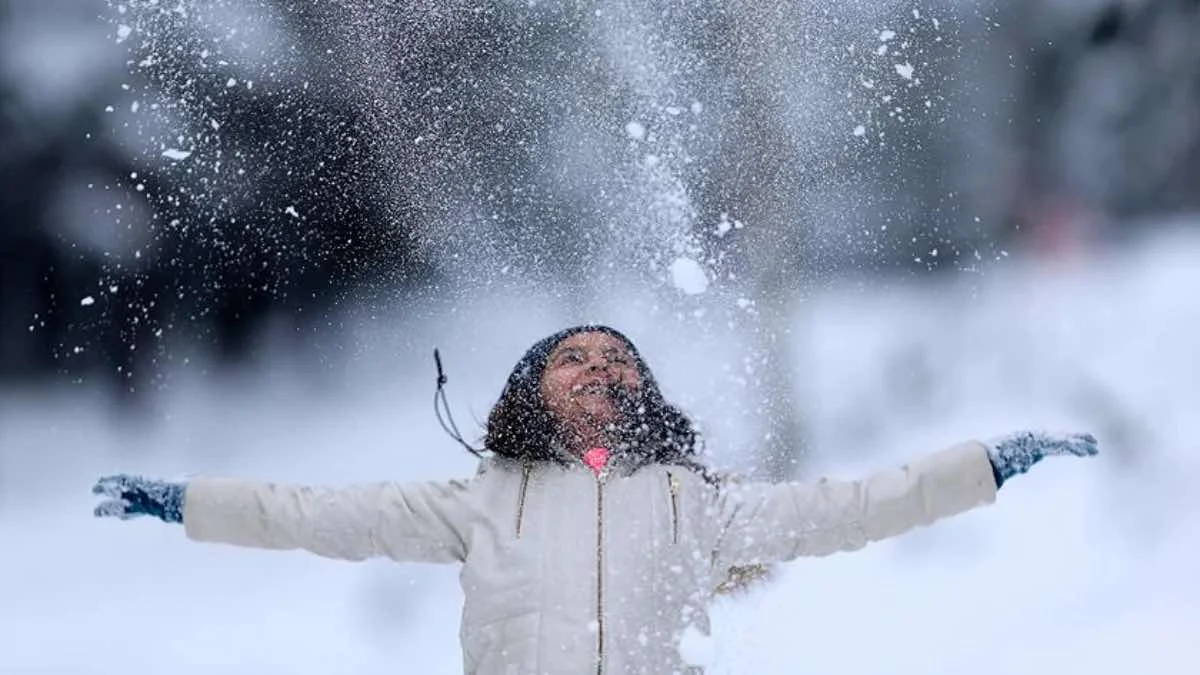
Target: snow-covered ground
{"points": [[1081, 566]]}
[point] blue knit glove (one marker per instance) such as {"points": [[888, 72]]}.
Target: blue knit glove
{"points": [[1015, 453], [134, 496]]}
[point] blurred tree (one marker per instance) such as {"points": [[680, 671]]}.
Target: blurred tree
{"points": [[228, 205], [1099, 104]]}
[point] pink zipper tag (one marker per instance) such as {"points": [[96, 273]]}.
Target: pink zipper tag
{"points": [[597, 458]]}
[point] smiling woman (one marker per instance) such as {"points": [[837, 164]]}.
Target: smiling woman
{"points": [[586, 375], [592, 539], [582, 388]]}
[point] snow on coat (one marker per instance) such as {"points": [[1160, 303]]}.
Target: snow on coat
{"points": [[570, 571]]}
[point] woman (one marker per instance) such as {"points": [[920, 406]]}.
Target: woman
{"points": [[591, 538]]}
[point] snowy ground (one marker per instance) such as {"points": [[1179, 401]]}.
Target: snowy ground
{"points": [[1082, 566]]}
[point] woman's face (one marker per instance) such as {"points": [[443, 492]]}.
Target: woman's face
{"points": [[580, 374]]}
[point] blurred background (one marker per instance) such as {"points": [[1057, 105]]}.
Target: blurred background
{"points": [[844, 234]]}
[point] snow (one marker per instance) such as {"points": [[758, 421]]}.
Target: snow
{"points": [[1081, 565], [725, 224], [696, 648], [688, 276]]}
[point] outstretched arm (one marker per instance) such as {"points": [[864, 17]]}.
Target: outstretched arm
{"points": [[416, 522], [765, 523]]}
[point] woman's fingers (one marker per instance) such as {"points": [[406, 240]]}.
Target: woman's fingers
{"points": [[113, 486], [114, 508]]}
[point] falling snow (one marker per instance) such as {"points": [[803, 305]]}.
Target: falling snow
{"points": [[368, 174], [688, 276]]}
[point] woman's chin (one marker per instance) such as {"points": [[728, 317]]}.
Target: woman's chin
{"points": [[600, 420]]}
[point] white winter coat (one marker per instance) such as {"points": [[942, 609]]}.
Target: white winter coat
{"points": [[565, 572]]}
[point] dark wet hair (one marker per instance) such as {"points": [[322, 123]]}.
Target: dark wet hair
{"points": [[519, 426]]}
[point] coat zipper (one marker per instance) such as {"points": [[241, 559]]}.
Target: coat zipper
{"points": [[521, 499], [600, 573], [673, 487]]}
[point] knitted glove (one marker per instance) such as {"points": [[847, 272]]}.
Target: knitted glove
{"points": [[1015, 453], [134, 496]]}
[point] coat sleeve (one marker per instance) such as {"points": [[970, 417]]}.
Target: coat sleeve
{"points": [[765, 522], [416, 522]]}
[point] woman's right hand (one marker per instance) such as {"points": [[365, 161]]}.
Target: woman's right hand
{"points": [[134, 496]]}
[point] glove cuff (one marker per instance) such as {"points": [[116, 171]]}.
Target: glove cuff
{"points": [[997, 474], [173, 502], [161, 500]]}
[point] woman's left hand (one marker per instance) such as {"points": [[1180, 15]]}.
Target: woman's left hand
{"points": [[134, 496], [1017, 452]]}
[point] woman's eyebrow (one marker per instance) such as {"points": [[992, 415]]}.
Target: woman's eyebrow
{"points": [[564, 350]]}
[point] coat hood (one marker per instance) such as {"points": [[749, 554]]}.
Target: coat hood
{"points": [[526, 376], [520, 428]]}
